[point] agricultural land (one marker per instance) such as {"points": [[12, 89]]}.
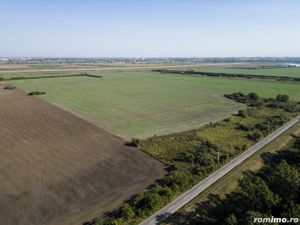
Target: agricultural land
{"points": [[56, 168], [84, 127], [143, 104]]}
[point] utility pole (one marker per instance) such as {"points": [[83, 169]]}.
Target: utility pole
{"points": [[218, 156]]}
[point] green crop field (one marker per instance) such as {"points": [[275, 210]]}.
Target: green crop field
{"points": [[142, 104], [290, 72]]}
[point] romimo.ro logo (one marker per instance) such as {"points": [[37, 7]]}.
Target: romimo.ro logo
{"points": [[276, 220]]}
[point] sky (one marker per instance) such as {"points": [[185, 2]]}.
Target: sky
{"points": [[149, 28]]}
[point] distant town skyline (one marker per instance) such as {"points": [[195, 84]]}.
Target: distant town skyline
{"points": [[132, 28]]}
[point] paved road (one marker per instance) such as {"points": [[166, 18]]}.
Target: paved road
{"points": [[197, 189]]}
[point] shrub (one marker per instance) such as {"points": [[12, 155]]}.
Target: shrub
{"points": [[187, 156], [36, 93], [261, 126], [150, 201], [127, 211], [180, 179], [253, 96], [165, 192], [9, 87], [135, 142], [226, 120], [254, 136], [282, 98], [242, 113], [244, 127]]}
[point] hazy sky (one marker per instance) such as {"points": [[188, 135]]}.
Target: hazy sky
{"points": [[153, 28]]}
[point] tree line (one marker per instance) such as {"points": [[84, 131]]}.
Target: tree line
{"points": [[228, 75]]}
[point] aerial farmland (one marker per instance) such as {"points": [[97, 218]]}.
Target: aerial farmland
{"points": [[82, 124], [149, 112], [143, 104]]}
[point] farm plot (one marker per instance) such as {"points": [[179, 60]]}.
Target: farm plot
{"points": [[141, 104], [56, 168]]}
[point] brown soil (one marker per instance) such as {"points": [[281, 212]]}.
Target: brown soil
{"points": [[56, 168]]}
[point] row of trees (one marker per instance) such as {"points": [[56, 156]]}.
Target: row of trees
{"points": [[253, 100], [229, 75], [148, 202], [8, 78]]}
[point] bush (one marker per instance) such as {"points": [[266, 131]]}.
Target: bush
{"points": [[36, 93], [253, 96], [242, 113], [282, 98], [148, 202], [187, 156], [165, 192], [9, 87], [127, 211], [255, 136], [262, 127], [180, 179], [226, 120], [244, 127], [135, 142], [238, 97]]}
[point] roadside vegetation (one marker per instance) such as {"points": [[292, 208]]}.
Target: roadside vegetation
{"points": [[193, 155], [272, 191]]}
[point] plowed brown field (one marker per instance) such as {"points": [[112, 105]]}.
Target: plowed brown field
{"points": [[56, 168]]}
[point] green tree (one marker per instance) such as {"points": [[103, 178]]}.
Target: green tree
{"points": [[291, 210], [255, 194], [180, 179], [252, 215], [135, 142], [285, 180], [187, 156], [255, 136], [165, 192], [127, 211], [231, 220], [282, 98], [253, 96], [148, 202]]}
